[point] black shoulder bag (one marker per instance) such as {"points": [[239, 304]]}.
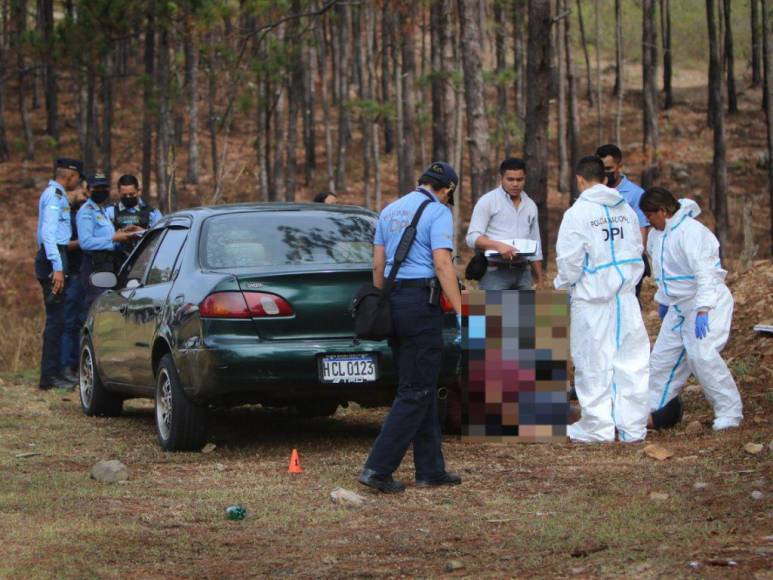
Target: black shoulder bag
{"points": [[371, 311], [476, 267]]}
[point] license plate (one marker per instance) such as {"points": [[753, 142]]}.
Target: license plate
{"points": [[347, 368]]}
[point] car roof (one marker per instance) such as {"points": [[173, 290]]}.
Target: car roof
{"points": [[226, 208]]}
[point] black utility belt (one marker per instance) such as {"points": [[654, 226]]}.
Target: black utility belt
{"points": [[417, 283], [508, 265]]}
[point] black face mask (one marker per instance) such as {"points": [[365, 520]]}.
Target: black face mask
{"points": [[99, 196], [128, 201], [611, 178]]}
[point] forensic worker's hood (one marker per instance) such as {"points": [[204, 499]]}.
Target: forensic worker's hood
{"points": [[687, 208], [601, 194]]}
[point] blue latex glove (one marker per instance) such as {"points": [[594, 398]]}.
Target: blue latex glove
{"points": [[702, 325], [458, 339], [662, 311]]}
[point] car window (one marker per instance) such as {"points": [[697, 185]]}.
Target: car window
{"points": [[136, 270], [163, 263], [279, 238]]}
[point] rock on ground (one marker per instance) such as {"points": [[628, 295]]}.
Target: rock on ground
{"points": [[110, 471], [346, 498]]}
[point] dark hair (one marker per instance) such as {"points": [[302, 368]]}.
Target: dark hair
{"points": [[512, 164], [435, 184], [657, 198], [610, 150], [591, 168], [127, 180], [322, 196]]}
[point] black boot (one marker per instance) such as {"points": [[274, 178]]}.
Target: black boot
{"points": [[669, 415]]}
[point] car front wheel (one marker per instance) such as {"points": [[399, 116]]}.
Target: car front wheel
{"points": [[180, 423], [96, 401]]}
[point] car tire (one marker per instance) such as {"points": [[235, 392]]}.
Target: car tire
{"points": [[96, 400], [181, 425], [318, 408]]}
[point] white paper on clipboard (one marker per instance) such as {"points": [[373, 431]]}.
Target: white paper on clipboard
{"points": [[525, 247]]}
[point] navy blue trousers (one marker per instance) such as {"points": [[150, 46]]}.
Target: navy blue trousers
{"points": [[417, 348], [74, 316], [50, 359]]}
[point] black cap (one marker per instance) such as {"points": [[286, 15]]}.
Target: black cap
{"points": [[97, 180], [72, 164], [442, 172]]}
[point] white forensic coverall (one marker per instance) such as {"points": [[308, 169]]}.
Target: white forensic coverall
{"points": [[599, 259], [690, 279]]}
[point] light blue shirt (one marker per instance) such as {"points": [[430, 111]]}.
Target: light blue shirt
{"points": [[153, 218], [54, 227], [632, 194], [95, 229], [434, 231]]}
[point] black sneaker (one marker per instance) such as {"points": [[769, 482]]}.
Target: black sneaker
{"points": [[448, 478], [382, 483], [669, 415], [47, 383]]}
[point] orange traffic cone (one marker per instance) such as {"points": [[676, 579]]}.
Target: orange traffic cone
{"points": [[295, 463]]}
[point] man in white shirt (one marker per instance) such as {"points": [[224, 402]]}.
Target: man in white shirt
{"points": [[507, 213]]}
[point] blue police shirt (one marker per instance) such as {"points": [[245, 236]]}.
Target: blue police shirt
{"points": [[54, 227], [632, 194], [153, 218], [95, 229], [434, 231]]}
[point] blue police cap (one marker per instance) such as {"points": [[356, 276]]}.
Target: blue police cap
{"points": [[442, 172], [97, 180], [72, 164]]}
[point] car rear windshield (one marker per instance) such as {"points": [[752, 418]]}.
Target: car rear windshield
{"points": [[264, 239]]}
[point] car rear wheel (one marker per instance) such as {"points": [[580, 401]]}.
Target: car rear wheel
{"points": [[95, 399], [180, 423], [318, 408]]}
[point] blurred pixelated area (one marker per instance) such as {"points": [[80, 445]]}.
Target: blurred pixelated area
{"points": [[516, 350]]}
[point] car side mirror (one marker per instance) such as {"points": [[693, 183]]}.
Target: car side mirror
{"points": [[104, 280]]}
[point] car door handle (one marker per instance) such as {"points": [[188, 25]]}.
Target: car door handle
{"points": [[123, 308]]}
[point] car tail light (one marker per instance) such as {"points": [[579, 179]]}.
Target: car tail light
{"points": [[445, 303], [224, 305], [262, 304]]}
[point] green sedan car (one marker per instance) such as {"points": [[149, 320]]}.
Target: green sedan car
{"points": [[235, 304]]}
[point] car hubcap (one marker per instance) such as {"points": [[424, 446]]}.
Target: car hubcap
{"points": [[164, 405], [87, 377]]}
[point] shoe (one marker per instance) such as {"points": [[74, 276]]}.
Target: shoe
{"points": [[669, 415], [448, 478], [70, 376], [47, 383], [720, 424], [383, 483]]}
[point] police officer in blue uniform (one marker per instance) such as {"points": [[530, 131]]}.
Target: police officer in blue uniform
{"points": [[97, 236], [417, 344], [53, 235], [131, 210]]}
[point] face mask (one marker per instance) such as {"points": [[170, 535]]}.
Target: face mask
{"points": [[128, 201], [611, 178], [99, 196]]}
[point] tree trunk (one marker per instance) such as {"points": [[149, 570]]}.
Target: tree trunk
{"points": [[564, 172], [597, 34], [294, 99], [518, 19], [665, 31], [538, 111], [767, 37], [89, 153], [397, 70], [387, 52], [147, 100], [192, 76], [620, 66], [344, 109], [477, 126], [589, 95], [573, 121], [500, 28], [732, 99], [373, 155], [448, 41], [719, 166], [756, 44], [439, 73], [408, 33], [321, 62], [52, 113], [163, 141], [107, 112], [307, 101], [20, 18], [649, 74], [4, 150]]}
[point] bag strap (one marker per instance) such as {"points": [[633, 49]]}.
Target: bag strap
{"points": [[406, 241]]}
